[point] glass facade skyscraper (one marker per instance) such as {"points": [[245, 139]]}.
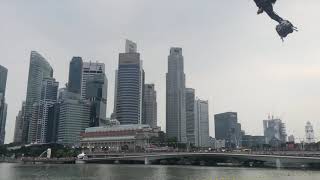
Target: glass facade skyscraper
{"points": [[39, 123], [89, 70], [129, 86], [96, 93], [3, 104], [39, 69], [227, 128], [175, 97], [150, 105], [75, 75], [190, 116]]}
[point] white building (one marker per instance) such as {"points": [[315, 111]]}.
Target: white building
{"points": [[202, 123], [309, 133]]}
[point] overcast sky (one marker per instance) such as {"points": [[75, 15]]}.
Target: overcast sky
{"points": [[233, 58]]}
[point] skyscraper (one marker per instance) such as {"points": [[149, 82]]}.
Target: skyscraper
{"points": [[228, 128], [190, 116], [175, 97], [96, 93], [3, 104], [202, 123], [129, 86], [39, 69], [75, 75], [39, 123], [3, 80], [19, 125], [150, 105], [309, 133], [89, 70], [74, 116], [274, 131]]}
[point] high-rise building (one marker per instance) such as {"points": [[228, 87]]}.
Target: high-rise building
{"points": [[274, 131], [89, 70], [129, 86], [175, 97], [19, 125], [39, 123], [3, 80], [74, 117], [228, 128], [190, 116], [53, 123], [3, 104], [150, 105], [39, 69], [96, 93], [202, 123], [75, 75], [309, 133]]}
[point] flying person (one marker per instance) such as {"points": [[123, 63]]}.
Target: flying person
{"points": [[267, 6], [284, 27]]}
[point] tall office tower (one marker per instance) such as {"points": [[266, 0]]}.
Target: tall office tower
{"points": [[75, 75], [114, 113], [19, 125], [274, 131], [39, 69], [190, 116], [40, 119], [3, 104], [175, 97], [3, 80], [202, 123], [74, 117], [129, 85], [53, 123], [227, 128], [96, 93], [309, 133], [89, 70], [150, 105], [54, 113]]}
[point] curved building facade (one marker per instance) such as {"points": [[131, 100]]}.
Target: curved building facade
{"points": [[39, 69]]}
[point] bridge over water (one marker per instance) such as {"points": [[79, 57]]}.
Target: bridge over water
{"points": [[243, 159]]}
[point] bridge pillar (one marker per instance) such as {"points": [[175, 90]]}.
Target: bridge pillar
{"points": [[146, 161], [278, 163]]}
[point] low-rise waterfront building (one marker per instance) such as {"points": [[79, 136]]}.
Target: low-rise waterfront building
{"points": [[133, 137]]}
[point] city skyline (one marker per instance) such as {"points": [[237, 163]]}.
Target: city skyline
{"points": [[281, 84]]}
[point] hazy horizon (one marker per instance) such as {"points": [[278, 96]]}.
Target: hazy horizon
{"points": [[233, 58]]}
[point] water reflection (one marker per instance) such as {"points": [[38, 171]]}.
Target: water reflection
{"points": [[142, 172]]}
